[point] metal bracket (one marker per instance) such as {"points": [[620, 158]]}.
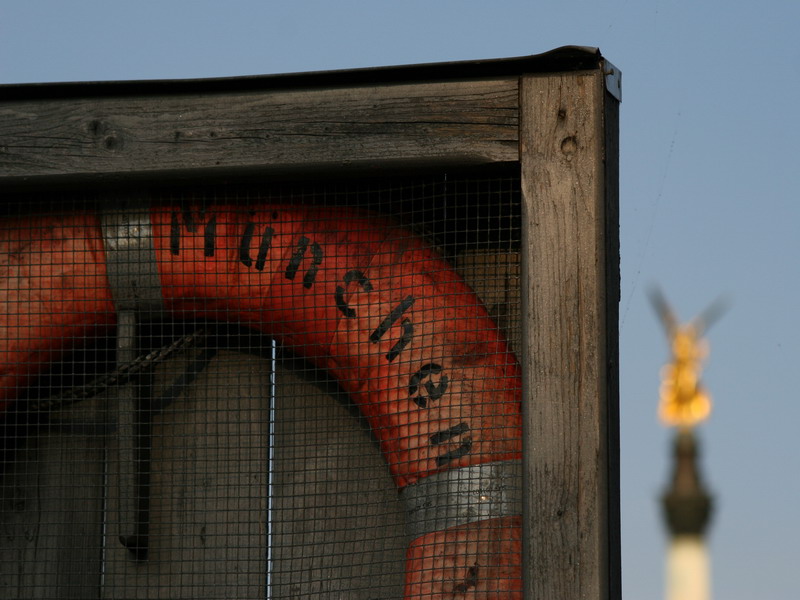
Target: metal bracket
{"points": [[613, 80], [131, 259], [132, 468], [136, 290]]}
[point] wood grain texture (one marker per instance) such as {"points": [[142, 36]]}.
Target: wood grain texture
{"points": [[568, 266], [338, 524], [51, 510], [495, 278], [264, 132], [208, 485]]}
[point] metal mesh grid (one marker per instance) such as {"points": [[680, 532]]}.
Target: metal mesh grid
{"points": [[258, 468]]}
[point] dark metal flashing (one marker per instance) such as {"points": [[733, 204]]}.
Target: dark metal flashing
{"points": [[566, 58]]}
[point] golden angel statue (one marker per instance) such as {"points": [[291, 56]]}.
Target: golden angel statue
{"points": [[684, 401]]}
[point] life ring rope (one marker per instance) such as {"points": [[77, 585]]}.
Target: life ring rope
{"points": [[359, 296]]}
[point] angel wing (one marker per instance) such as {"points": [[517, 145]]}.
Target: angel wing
{"points": [[664, 311]]}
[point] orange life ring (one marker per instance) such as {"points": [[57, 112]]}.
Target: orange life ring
{"points": [[357, 295]]}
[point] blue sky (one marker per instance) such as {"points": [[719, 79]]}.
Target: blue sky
{"points": [[709, 199]]}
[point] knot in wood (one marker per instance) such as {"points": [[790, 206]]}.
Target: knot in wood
{"points": [[569, 145]]}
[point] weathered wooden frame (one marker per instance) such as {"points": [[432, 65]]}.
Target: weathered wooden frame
{"points": [[555, 114]]}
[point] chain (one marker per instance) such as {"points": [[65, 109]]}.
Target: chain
{"points": [[118, 376]]}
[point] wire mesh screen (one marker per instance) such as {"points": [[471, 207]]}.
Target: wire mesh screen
{"points": [[296, 391]]}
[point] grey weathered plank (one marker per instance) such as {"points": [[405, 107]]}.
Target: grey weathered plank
{"points": [[495, 278], [102, 137], [570, 279], [338, 523], [208, 487], [52, 512]]}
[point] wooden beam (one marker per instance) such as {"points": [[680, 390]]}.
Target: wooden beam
{"points": [[110, 138], [570, 291]]}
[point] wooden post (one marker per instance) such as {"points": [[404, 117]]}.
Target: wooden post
{"points": [[569, 297]]}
